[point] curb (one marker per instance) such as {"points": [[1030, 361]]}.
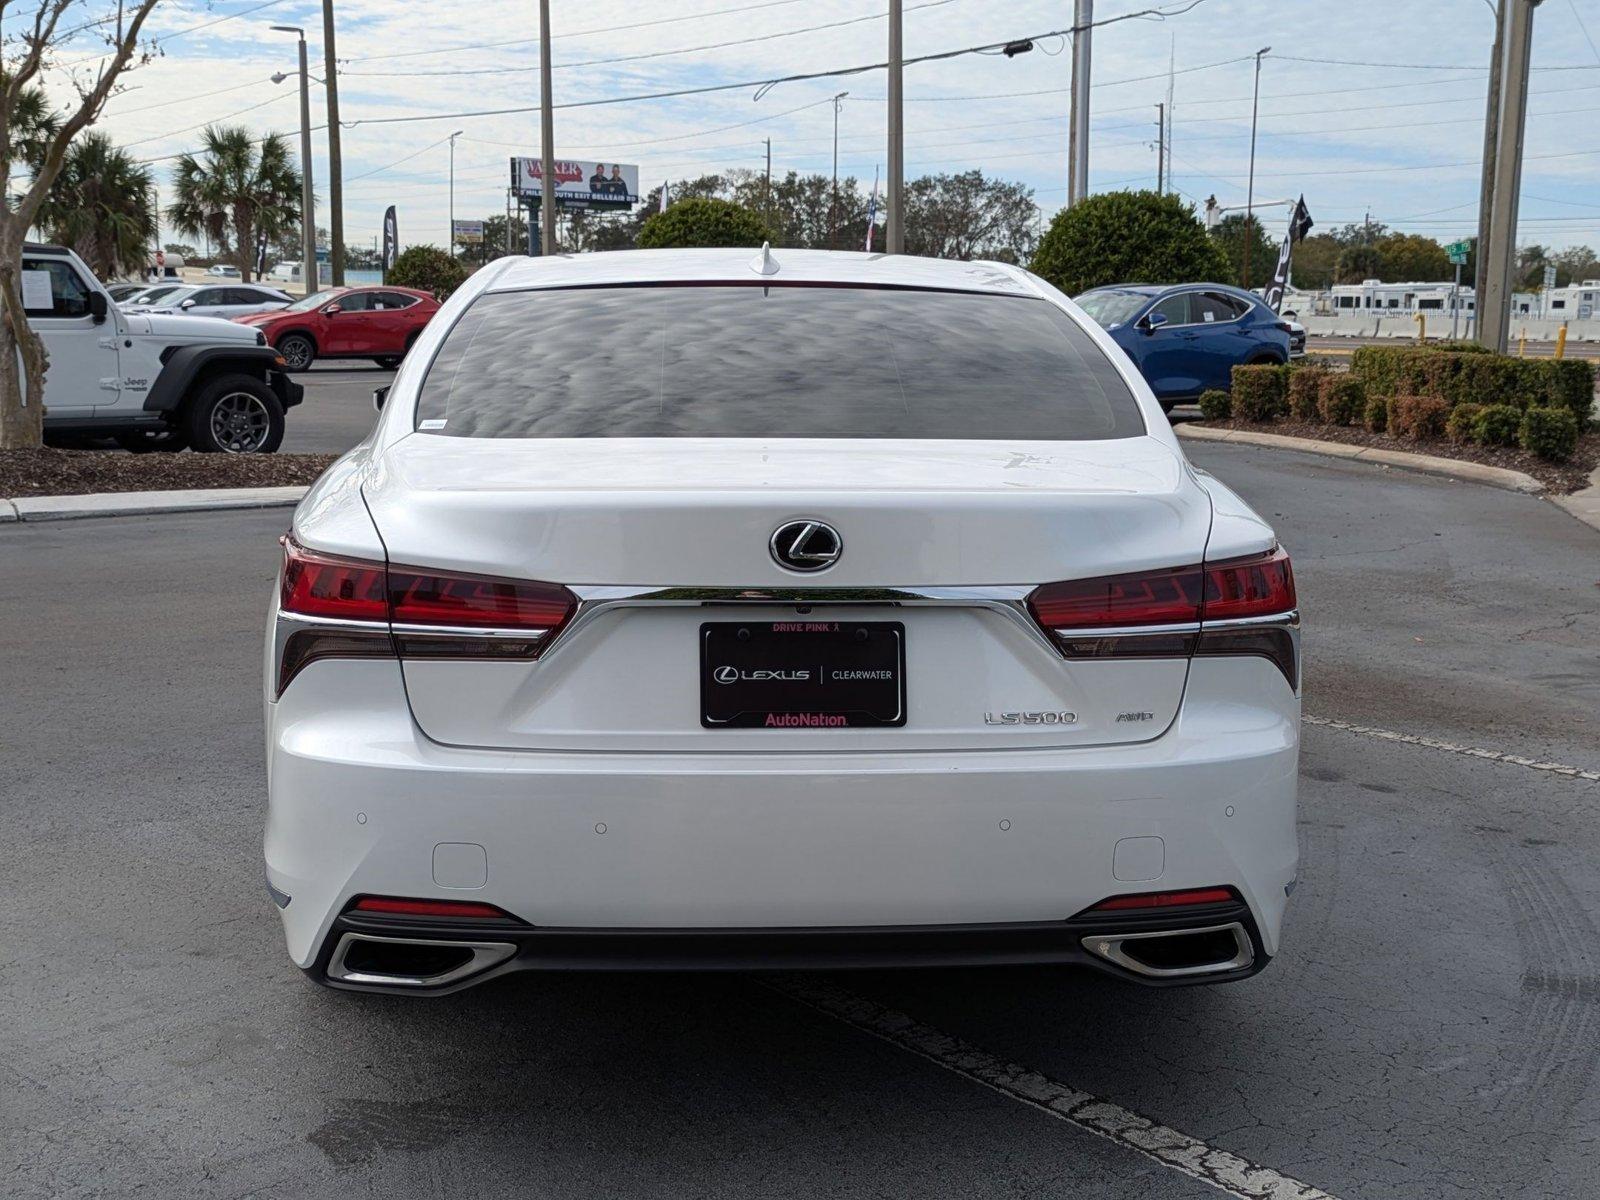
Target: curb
{"points": [[133, 504], [1584, 505], [1428, 464]]}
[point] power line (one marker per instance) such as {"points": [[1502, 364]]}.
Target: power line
{"points": [[213, 121], [163, 39], [604, 62], [238, 87], [718, 12], [1394, 66]]}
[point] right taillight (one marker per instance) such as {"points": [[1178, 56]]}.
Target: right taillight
{"points": [[1221, 608], [419, 613]]}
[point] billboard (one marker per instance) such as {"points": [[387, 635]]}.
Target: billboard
{"points": [[579, 184], [467, 233]]}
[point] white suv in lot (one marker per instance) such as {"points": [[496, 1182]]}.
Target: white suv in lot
{"points": [[703, 609], [149, 381]]}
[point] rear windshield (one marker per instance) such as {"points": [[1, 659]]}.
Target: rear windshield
{"points": [[772, 362]]}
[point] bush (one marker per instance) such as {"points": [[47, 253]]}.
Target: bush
{"points": [[1417, 417], [1498, 425], [1216, 405], [1571, 386], [1376, 415], [1259, 391], [1124, 237], [428, 268], [1550, 433], [697, 222], [1461, 425], [1343, 400], [1305, 392]]}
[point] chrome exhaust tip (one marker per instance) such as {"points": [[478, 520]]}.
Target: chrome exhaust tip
{"points": [[401, 962], [1175, 953]]}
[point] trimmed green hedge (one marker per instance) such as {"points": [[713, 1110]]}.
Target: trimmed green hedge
{"points": [[1305, 391], [1417, 417], [1498, 425], [1550, 433], [1459, 376], [1216, 405], [1376, 415], [1260, 391], [1343, 400], [1461, 425]]}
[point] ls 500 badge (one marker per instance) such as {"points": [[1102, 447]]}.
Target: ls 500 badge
{"points": [[1030, 717]]}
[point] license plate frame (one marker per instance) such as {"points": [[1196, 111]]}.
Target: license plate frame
{"points": [[802, 674]]}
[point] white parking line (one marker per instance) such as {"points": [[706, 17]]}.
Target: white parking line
{"points": [[1178, 1151], [1412, 739]]}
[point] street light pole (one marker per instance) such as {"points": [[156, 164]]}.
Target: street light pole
{"points": [[453, 138], [1078, 135], [894, 233], [833, 206], [547, 162], [1161, 148], [335, 156], [1250, 188], [308, 212]]}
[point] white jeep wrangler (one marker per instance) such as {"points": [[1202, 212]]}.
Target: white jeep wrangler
{"points": [[149, 382]]}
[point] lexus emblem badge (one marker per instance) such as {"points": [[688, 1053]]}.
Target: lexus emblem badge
{"points": [[806, 546]]}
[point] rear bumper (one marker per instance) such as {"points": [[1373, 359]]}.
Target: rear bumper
{"points": [[515, 949], [674, 861]]}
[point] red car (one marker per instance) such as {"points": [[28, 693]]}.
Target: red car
{"points": [[379, 323]]}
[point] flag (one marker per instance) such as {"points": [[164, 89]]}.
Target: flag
{"points": [[1299, 225], [391, 241], [872, 209], [665, 184]]}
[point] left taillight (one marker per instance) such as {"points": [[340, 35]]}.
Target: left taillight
{"points": [[361, 609]]}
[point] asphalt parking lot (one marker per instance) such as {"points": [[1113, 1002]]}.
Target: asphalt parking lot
{"points": [[1430, 1029]]}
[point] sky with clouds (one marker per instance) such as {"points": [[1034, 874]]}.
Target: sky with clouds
{"points": [[1399, 135]]}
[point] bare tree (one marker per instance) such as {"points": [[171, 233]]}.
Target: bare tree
{"points": [[29, 58]]}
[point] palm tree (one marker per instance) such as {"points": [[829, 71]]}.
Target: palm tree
{"points": [[235, 190], [103, 205], [32, 124]]}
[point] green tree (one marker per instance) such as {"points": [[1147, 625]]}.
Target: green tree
{"points": [[182, 249], [703, 223], [103, 205], [30, 127], [1127, 237], [1413, 258], [428, 268], [1575, 264], [1357, 263], [967, 216], [1315, 257], [1230, 235], [234, 190]]}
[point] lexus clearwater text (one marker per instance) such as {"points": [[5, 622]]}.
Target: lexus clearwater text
{"points": [[733, 609]]}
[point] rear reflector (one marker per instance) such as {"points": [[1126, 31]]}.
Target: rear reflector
{"points": [[1259, 586], [428, 908], [1215, 895]]}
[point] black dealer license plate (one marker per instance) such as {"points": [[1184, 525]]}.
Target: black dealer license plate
{"points": [[802, 674]]}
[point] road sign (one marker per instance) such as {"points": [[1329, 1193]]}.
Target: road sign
{"points": [[468, 233], [1549, 276], [1458, 251]]}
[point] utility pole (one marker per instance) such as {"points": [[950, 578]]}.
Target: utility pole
{"points": [[308, 211], [894, 233], [330, 69], [1078, 135], [1491, 126], [547, 164], [452, 243], [1161, 147], [1250, 188], [1172, 63], [1494, 304], [833, 205], [766, 189]]}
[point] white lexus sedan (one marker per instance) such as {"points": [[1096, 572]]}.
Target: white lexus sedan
{"points": [[733, 609]]}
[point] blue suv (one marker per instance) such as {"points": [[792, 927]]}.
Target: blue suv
{"points": [[1189, 337]]}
